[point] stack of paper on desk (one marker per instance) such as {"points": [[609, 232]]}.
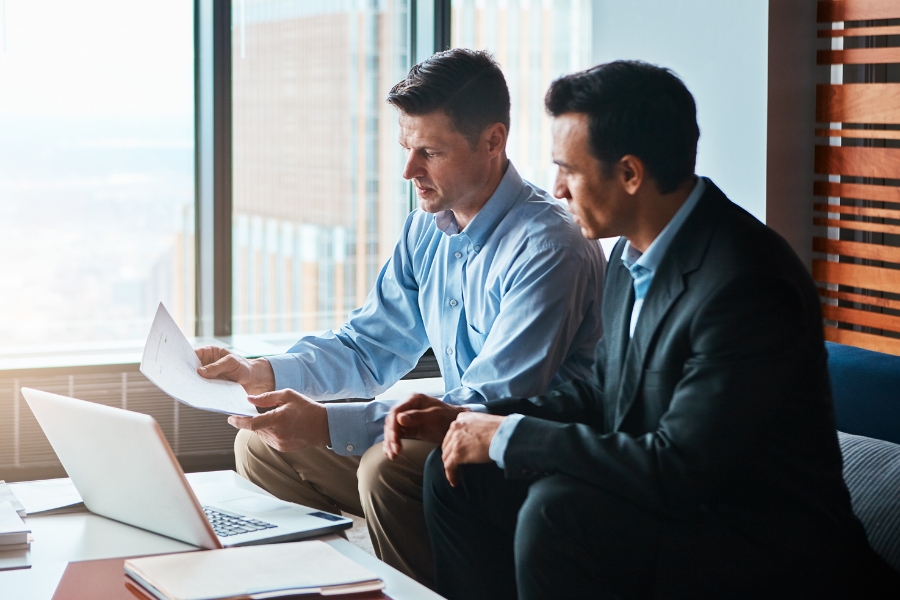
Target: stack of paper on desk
{"points": [[270, 571], [6, 495], [14, 541]]}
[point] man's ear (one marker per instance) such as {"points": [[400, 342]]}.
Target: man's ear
{"points": [[631, 173], [495, 137]]}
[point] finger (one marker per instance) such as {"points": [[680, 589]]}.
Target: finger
{"points": [[392, 444], [240, 422], [268, 399], [222, 367], [452, 472], [264, 421]]}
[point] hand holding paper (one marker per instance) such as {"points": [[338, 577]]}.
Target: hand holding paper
{"points": [[170, 362]]}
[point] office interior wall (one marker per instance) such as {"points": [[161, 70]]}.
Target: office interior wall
{"points": [[791, 116], [720, 50]]}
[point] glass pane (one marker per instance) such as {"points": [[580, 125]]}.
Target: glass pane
{"points": [[96, 168], [535, 41], [318, 197]]}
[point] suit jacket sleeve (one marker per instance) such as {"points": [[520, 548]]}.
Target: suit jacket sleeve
{"points": [[736, 379]]}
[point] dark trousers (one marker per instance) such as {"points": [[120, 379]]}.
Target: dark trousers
{"points": [[497, 538], [558, 537]]}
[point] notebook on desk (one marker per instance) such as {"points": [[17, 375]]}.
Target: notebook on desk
{"points": [[125, 470]]}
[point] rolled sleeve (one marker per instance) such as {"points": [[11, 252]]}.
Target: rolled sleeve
{"points": [[501, 438]]}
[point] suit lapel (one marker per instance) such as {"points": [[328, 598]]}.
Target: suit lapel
{"points": [[683, 256], [618, 300]]}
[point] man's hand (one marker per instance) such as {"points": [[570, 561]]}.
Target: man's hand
{"points": [[468, 441], [419, 417], [256, 375], [296, 423]]}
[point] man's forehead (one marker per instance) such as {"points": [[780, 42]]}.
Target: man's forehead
{"points": [[432, 127]]}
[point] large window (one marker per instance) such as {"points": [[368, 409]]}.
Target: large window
{"points": [[535, 41], [317, 193], [96, 168]]}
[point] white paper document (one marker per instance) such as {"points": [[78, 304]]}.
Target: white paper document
{"points": [[47, 495], [171, 364]]}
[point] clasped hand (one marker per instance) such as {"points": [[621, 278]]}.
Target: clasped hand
{"points": [[294, 421], [465, 436]]}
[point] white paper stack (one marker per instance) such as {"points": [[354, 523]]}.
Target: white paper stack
{"points": [[14, 539], [6, 495], [270, 571]]}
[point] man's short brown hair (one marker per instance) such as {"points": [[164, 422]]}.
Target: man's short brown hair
{"points": [[467, 85]]}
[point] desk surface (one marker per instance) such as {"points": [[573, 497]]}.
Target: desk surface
{"points": [[60, 539]]}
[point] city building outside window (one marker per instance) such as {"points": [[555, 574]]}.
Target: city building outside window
{"points": [[96, 169]]}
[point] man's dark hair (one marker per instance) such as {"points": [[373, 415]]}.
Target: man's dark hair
{"points": [[634, 108], [467, 85]]}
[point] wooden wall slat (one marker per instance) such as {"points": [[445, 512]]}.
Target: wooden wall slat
{"points": [[860, 211], [863, 340], [858, 56], [858, 32], [858, 191], [857, 249], [864, 318], [856, 10], [858, 161], [860, 298], [857, 225], [860, 276], [862, 134], [858, 103]]}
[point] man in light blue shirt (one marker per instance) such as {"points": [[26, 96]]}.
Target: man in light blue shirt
{"points": [[491, 273]]}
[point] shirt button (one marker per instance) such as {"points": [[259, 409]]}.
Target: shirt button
{"points": [[349, 447], [458, 255], [450, 351], [477, 248], [453, 303]]}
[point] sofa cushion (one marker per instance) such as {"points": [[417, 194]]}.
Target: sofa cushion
{"points": [[866, 389], [872, 473]]}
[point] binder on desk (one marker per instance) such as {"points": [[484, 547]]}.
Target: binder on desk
{"points": [[106, 578], [258, 572]]}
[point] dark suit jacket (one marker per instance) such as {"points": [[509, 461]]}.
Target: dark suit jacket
{"points": [[721, 402]]}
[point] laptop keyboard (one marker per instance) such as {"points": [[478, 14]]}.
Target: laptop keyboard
{"points": [[228, 524]]}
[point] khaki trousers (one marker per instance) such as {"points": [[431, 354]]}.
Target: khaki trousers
{"points": [[387, 493]]}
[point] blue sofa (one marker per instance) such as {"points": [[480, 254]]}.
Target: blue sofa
{"points": [[866, 388]]}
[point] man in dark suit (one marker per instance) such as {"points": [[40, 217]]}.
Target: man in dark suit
{"points": [[701, 460]]}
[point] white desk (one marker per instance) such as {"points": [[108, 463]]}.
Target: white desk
{"points": [[60, 539]]}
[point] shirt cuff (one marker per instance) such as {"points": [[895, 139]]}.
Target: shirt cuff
{"points": [[347, 424], [480, 408], [501, 438]]}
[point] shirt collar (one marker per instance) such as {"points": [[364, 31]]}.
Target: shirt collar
{"points": [[651, 257], [483, 224]]}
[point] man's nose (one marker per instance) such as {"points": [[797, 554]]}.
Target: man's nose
{"points": [[413, 167], [560, 189]]}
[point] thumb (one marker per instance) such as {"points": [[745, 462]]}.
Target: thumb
{"points": [[266, 399], [215, 369]]}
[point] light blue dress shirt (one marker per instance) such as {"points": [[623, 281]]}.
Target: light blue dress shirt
{"points": [[642, 268], [510, 305]]}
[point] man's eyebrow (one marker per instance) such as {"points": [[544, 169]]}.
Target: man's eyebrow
{"points": [[562, 163]]}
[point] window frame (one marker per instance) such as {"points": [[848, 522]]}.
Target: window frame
{"points": [[429, 27]]}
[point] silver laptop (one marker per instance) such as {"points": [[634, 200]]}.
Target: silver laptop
{"points": [[124, 470]]}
